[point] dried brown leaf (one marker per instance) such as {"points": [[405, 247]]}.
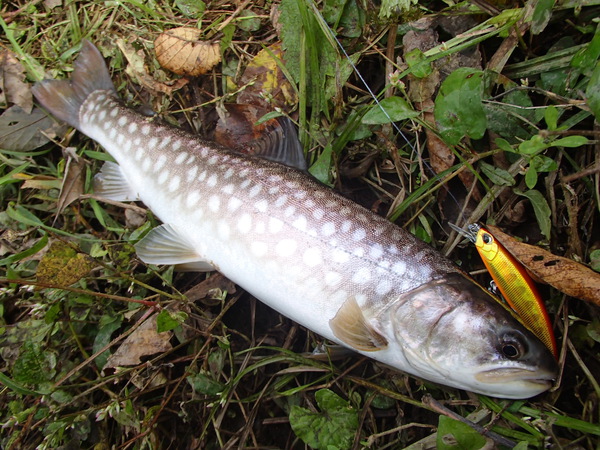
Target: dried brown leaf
{"points": [[13, 88], [180, 51], [564, 274], [144, 341], [236, 129], [22, 132], [73, 181]]}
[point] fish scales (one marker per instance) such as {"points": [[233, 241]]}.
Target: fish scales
{"points": [[263, 217], [301, 248]]}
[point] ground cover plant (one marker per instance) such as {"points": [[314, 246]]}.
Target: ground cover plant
{"points": [[425, 112]]}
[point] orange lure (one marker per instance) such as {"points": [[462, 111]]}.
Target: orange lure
{"points": [[515, 284]]}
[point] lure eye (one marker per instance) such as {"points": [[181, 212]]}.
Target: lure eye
{"points": [[512, 347], [487, 238]]}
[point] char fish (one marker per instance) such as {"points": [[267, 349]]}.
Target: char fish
{"points": [[316, 257]]}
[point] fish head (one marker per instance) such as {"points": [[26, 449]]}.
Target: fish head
{"points": [[453, 331]]}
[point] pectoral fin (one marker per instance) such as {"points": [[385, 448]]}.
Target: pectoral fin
{"points": [[351, 327], [111, 184], [163, 245]]}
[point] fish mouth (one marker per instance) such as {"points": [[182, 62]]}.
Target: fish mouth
{"points": [[541, 379]]}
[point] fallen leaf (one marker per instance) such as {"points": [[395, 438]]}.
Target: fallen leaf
{"points": [[22, 132], [73, 180], [13, 88], [564, 274], [266, 85], [209, 288], [62, 265], [235, 128], [144, 341], [180, 51]]}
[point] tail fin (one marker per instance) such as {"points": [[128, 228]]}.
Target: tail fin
{"points": [[63, 98]]}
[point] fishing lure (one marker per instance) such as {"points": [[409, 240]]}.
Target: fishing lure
{"points": [[515, 285]]}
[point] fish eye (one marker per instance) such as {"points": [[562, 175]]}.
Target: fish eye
{"points": [[487, 238], [512, 347]]}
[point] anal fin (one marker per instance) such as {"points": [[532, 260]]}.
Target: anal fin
{"points": [[351, 327], [163, 245], [111, 184]]}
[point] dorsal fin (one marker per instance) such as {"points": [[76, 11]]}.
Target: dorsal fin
{"points": [[280, 144]]}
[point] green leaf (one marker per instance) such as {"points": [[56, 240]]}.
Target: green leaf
{"points": [[497, 175], [551, 117], [418, 63], [336, 424], [543, 163], [458, 109], [531, 177], [25, 253], [167, 320], [33, 366], [592, 92], [248, 21], [595, 260], [541, 15], [541, 209], [321, 168], [108, 325], [204, 384], [453, 434], [570, 141], [532, 146], [391, 109], [503, 144], [191, 8]]}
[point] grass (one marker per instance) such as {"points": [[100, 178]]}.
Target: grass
{"points": [[232, 371]]}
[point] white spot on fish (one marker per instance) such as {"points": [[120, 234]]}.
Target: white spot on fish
{"points": [[163, 177], [289, 211], [228, 189], [274, 190], [202, 176], [139, 154], [100, 98], [328, 229], [192, 199], [332, 278], [359, 251], [127, 146], [399, 268], [245, 184], [191, 174], [383, 287], [174, 183], [114, 112], [262, 205], [286, 247], [228, 174], [122, 121], [243, 173], [244, 224], [255, 190], [312, 257], [362, 276], [275, 225], [146, 164], [213, 160], [137, 141], [212, 180], [177, 144], [191, 159], [300, 223], [132, 127], [145, 130], [102, 116], [259, 248], [214, 203], [282, 200], [346, 226], [181, 157], [234, 203], [160, 162], [345, 211], [164, 142], [112, 133], [152, 143], [120, 139], [299, 194], [318, 214], [376, 251], [310, 204], [359, 234], [340, 256], [203, 152]]}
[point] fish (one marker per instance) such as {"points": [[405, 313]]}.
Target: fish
{"points": [[318, 258], [515, 284]]}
